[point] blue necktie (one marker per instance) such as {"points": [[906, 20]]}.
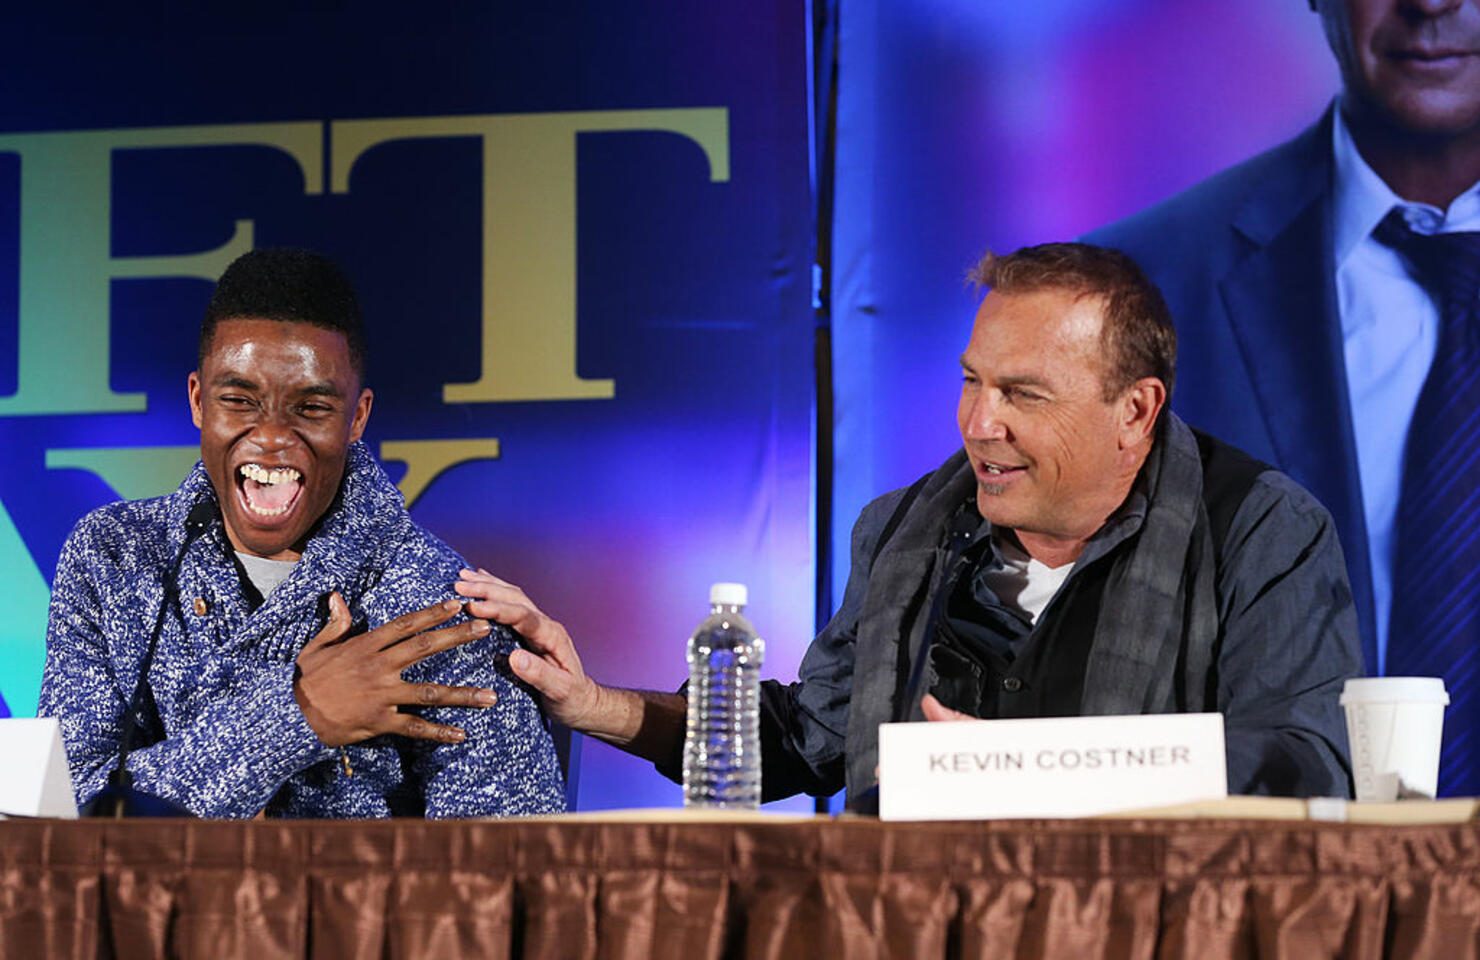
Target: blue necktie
{"points": [[1434, 630]]}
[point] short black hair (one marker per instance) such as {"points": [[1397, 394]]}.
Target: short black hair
{"points": [[291, 285]]}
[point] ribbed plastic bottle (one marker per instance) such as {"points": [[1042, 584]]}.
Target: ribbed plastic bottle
{"points": [[722, 744]]}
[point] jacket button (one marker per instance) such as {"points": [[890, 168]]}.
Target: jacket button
{"points": [[201, 607], [1012, 684]]}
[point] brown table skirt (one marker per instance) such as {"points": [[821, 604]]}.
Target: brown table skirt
{"points": [[414, 889]]}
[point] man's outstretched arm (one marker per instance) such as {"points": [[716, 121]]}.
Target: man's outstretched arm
{"points": [[646, 723]]}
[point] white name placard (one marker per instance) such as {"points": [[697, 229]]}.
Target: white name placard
{"points": [[1052, 767], [34, 779]]}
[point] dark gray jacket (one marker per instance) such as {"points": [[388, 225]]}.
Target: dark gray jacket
{"points": [[1275, 640]]}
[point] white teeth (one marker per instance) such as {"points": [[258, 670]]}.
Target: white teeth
{"points": [[253, 471], [262, 475], [992, 469]]}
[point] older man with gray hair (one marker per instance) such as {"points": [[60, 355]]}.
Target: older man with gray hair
{"points": [[1085, 552]]}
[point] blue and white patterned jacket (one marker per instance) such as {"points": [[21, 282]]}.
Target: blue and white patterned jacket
{"points": [[236, 741]]}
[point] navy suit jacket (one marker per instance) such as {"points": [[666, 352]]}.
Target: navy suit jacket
{"points": [[1244, 260]]}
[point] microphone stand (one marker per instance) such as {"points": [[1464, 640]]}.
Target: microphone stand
{"points": [[867, 802], [119, 798], [950, 570]]}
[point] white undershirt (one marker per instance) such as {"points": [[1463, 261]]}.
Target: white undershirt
{"points": [[1023, 583], [266, 575]]}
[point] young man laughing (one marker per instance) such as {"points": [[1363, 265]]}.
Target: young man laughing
{"points": [[280, 674]]}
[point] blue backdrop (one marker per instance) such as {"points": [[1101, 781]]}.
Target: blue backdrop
{"points": [[582, 240], [582, 237], [966, 126]]}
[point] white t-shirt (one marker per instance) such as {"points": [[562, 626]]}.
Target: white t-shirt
{"points": [[266, 575], [1022, 582]]}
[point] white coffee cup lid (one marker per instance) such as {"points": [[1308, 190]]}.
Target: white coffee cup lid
{"points": [[1394, 690]]}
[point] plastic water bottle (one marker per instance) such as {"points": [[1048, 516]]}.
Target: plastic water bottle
{"points": [[722, 745]]}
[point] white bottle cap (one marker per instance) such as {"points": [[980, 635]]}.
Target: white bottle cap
{"points": [[728, 594]]}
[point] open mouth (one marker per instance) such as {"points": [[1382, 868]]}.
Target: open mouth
{"points": [[269, 492], [996, 477]]}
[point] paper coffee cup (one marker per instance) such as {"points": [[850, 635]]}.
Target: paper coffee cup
{"points": [[1395, 725]]}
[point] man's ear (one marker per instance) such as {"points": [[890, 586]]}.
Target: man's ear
{"points": [[361, 414], [1140, 405], [192, 386]]}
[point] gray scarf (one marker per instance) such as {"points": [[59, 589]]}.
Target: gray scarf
{"points": [[1161, 627]]}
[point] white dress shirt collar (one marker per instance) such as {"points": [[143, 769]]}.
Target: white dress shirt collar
{"points": [[1363, 198]]}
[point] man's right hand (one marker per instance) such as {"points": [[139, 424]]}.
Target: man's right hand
{"points": [[642, 722], [549, 661], [349, 687]]}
